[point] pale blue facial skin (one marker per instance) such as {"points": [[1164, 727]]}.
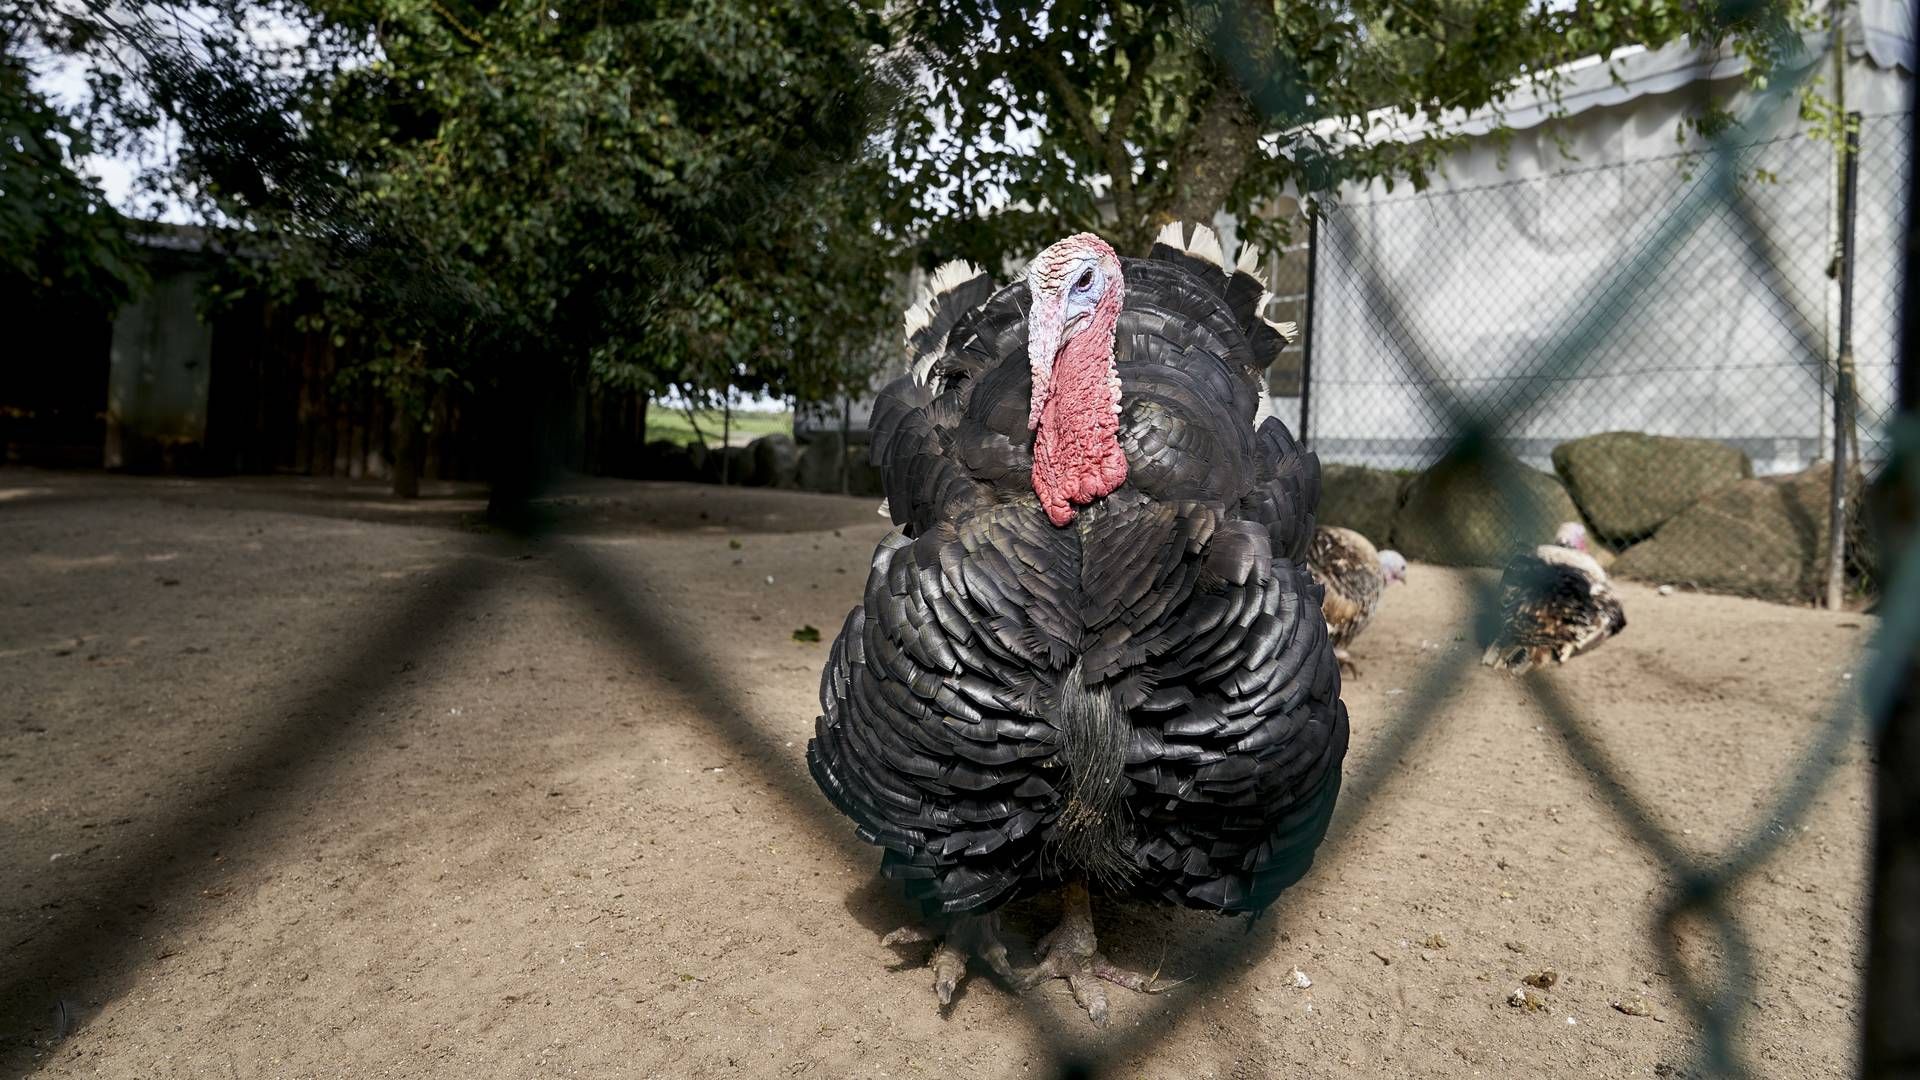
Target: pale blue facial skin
{"points": [[1085, 286], [1063, 306], [1394, 565]]}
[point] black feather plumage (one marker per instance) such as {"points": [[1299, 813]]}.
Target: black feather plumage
{"points": [[1177, 607]]}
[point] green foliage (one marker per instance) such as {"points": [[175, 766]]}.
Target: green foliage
{"points": [[58, 235], [709, 196], [640, 195], [1118, 116], [653, 194]]}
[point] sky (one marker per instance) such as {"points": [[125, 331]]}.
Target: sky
{"points": [[63, 79], [64, 83]]}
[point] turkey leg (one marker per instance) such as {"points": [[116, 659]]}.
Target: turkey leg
{"points": [[969, 935], [1071, 952]]}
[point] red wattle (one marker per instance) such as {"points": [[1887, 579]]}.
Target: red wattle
{"points": [[1076, 451]]}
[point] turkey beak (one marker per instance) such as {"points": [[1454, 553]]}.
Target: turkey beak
{"points": [[1046, 325]]}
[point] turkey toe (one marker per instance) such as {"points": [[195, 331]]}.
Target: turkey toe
{"points": [[1071, 951], [966, 939]]}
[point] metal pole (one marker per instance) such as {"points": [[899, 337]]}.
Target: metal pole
{"points": [[1306, 318], [1843, 381], [1890, 1038]]}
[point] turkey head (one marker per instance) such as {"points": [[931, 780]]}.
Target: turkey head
{"points": [[1077, 292]]}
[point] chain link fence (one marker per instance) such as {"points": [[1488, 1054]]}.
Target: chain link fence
{"points": [[1730, 342], [1693, 304], [1682, 296]]}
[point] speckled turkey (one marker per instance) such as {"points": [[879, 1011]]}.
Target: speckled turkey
{"points": [[1090, 655]]}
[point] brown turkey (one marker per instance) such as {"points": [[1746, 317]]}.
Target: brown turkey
{"points": [[1555, 603], [1355, 576], [1090, 656]]}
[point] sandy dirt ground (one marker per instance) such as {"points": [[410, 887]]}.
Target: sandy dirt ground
{"points": [[295, 781]]}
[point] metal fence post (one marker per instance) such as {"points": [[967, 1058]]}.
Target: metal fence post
{"points": [[1843, 376], [1890, 1039], [1307, 320]]}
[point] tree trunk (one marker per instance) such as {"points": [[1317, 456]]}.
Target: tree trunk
{"points": [[1213, 158], [726, 435], [846, 445], [406, 452], [686, 398], [640, 462], [522, 446]]}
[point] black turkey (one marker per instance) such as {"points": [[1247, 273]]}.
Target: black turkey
{"points": [[1090, 655]]}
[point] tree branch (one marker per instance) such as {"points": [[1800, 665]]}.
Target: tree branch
{"points": [[1119, 162], [686, 406], [1071, 100]]}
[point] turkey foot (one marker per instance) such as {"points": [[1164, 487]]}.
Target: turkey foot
{"points": [[974, 935], [1346, 662], [1071, 952]]}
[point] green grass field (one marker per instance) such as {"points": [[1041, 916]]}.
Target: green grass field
{"points": [[671, 424]]}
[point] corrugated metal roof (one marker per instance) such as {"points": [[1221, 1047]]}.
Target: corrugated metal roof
{"points": [[1879, 32]]}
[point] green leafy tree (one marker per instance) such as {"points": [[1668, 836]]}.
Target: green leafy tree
{"points": [[59, 238], [529, 198], [1119, 116], [631, 194]]}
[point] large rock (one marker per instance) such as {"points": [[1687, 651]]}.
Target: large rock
{"points": [[1765, 538], [698, 460], [732, 465], [1628, 484], [668, 460], [739, 465], [776, 461], [819, 466], [1362, 499], [1456, 513], [862, 478]]}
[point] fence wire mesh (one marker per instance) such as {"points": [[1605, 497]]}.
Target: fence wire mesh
{"points": [[1689, 301], [1527, 359], [1729, 341]]}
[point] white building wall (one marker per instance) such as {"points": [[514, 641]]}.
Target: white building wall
{"points": [[1483, 273]]}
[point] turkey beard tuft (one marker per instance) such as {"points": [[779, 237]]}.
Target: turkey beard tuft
{"points": [[1092, 834]]}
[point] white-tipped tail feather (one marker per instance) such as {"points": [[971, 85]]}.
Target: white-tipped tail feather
{"points": [[1288, 330], [1262, 409], [948, 277], [952, 275], [923, 367], [1206, 245]]}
